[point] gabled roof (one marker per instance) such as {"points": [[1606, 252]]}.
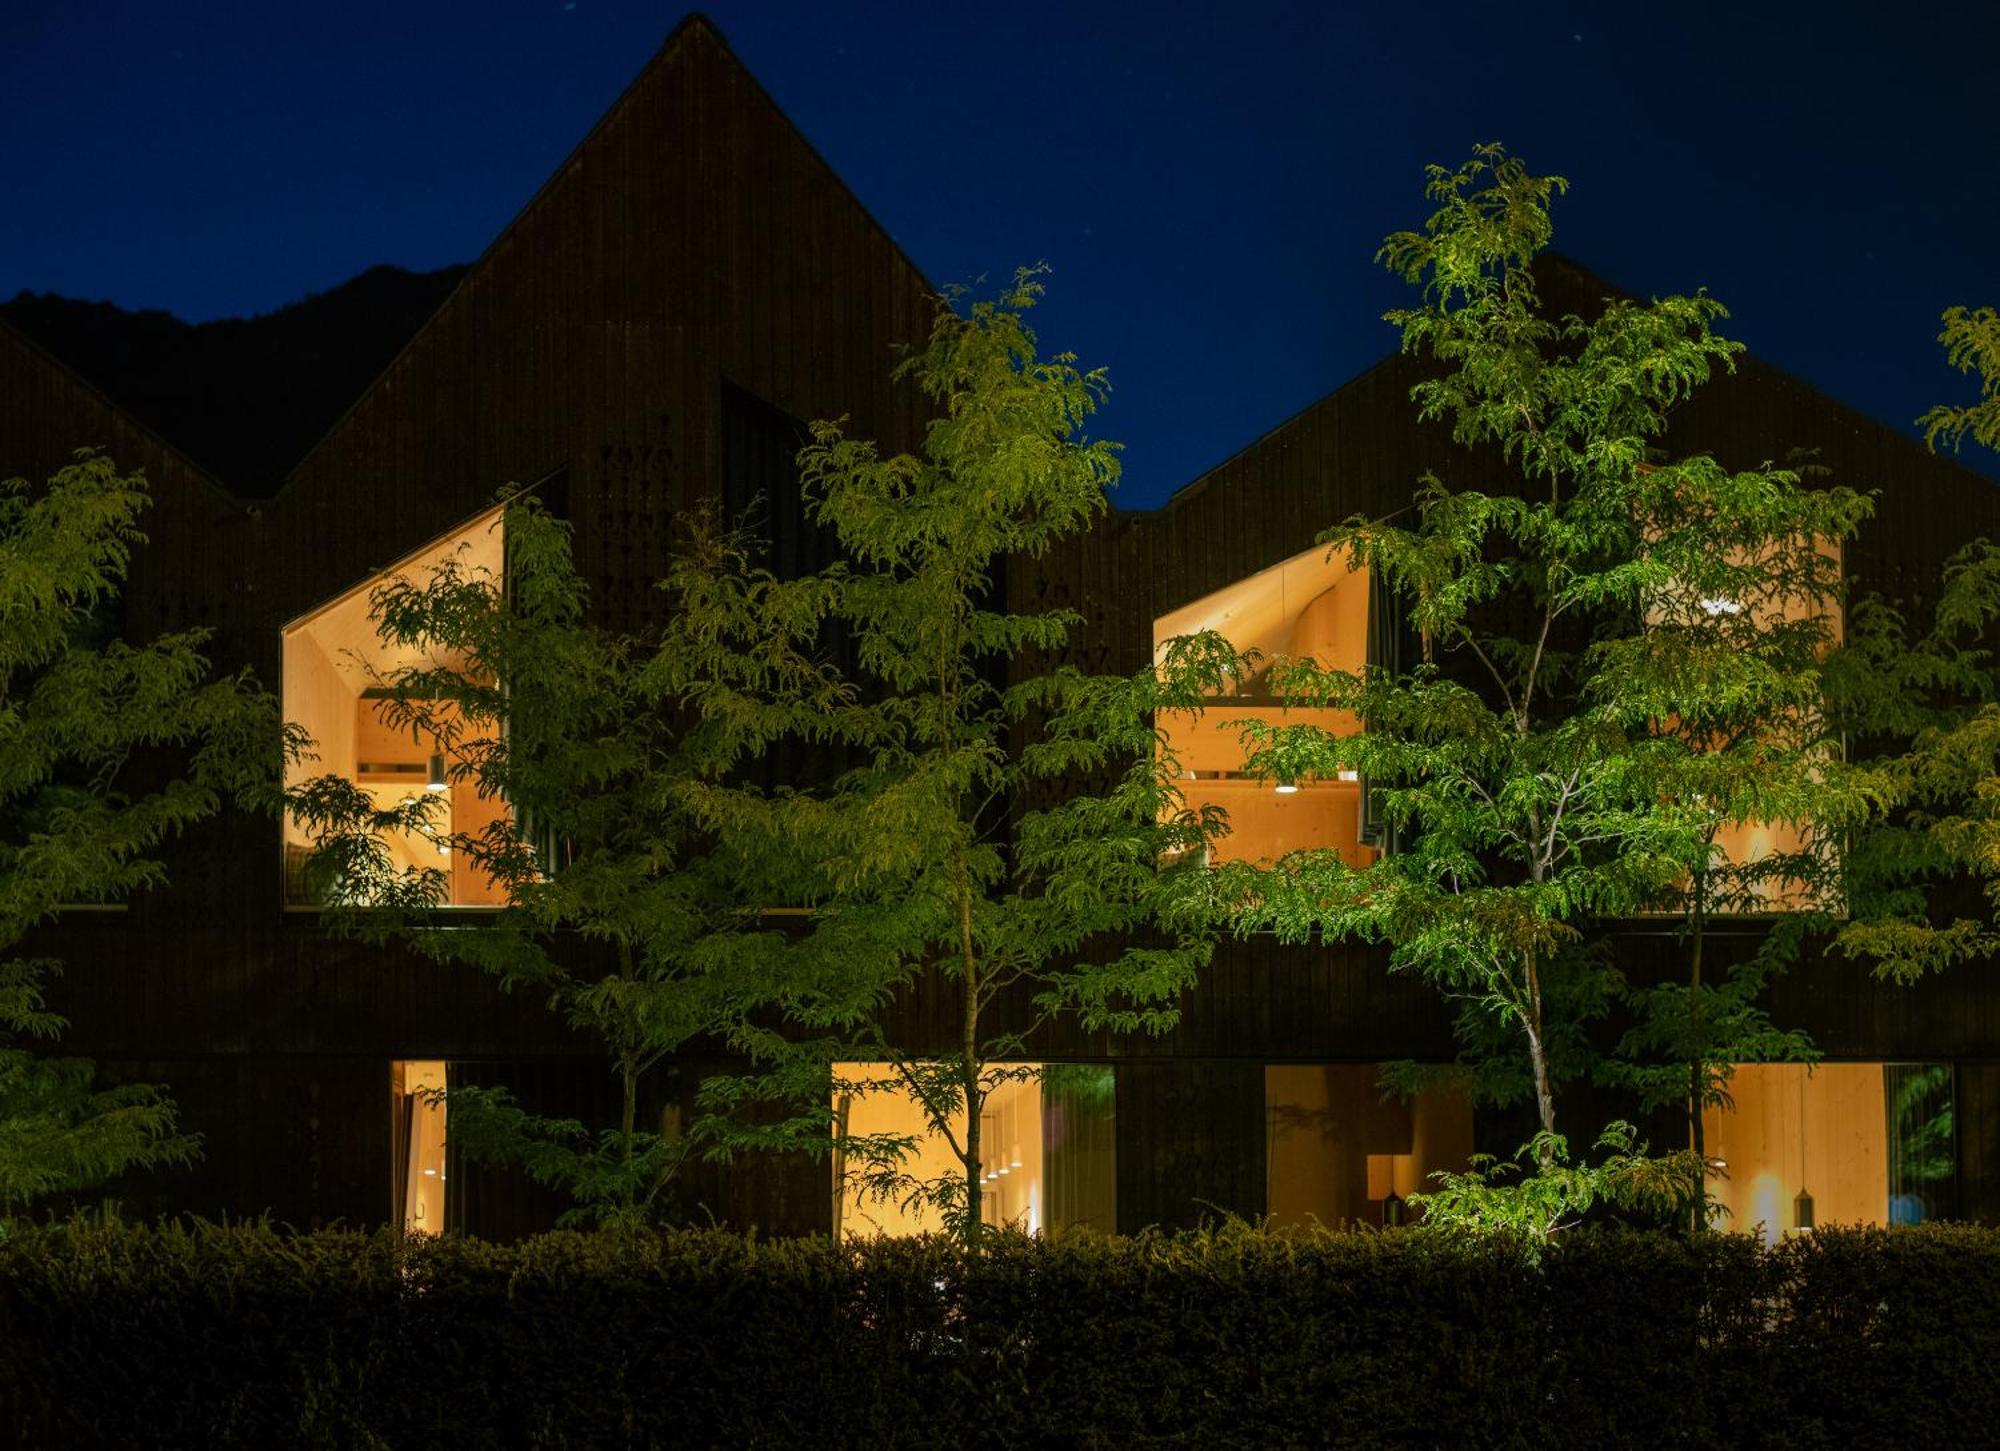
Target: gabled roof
{"points": [[244, 396], [1569, 286], [72, 413], [692, 29]]}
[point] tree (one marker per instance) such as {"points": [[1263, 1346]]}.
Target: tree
{"points": [[1733, 720], [1930, 697], [82, 820], [638, 923], [1008, 823], [1581, 721], [1971, 339]]}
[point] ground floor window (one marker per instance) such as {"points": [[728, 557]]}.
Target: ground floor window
{"points": [[1340, 1150], [1049, 1150], [417, 1128], [1837, 1143]]}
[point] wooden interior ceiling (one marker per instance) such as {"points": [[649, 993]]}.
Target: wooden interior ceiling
{"points": [[1258, 612], [344, 626]]}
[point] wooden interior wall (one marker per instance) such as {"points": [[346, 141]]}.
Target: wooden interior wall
{"points": [[1360, 450], [696, 241], [693, 237]]}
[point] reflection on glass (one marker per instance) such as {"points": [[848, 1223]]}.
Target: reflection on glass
{"points": [[1048, 1146], [1080, 1145], [1338, 1152], [1868, 1143], [418, 1134], [1923, 1144], [333, 668], [1308, 607]]}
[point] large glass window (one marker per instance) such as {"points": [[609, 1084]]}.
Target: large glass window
{"points": [[1864, 1143], [1340, 1151], [1781, 604], [335, 669], [417, 1131], [1048, 1145], [1308, 607]]}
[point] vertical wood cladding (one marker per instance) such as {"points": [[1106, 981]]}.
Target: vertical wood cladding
{"points": [[1191, 1142], [591, 341], [776, 1194], [760, 485], [1360, 450], [1976, 1113], [693, 236], [688, 285]]}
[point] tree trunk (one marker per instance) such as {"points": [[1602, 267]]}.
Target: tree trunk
{"points": [[628, 1078], [1697, 1065], [627, 1121], [969, 1068], [974, 1184], [1545, 1097]]}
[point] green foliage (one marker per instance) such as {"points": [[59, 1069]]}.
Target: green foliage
{"points": [[1938, 827], [1971, 339], [87, 801], [1922, 1125], [1007, 820], [1542, 1193], [1931, 696], [620, 1174], [247, 1337], [1623, 654], [631, 907], [1706, 1026]]}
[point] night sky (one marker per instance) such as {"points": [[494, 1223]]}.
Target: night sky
{"points": [[1209, 183]]}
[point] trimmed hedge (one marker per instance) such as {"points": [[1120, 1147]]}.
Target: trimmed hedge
{"points": [[213, 1336]]}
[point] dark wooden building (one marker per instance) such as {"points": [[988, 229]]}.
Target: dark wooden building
{"points": [[644, 337]]}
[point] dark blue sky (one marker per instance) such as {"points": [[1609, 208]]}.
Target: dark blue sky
{"points": [[1209, 182]]}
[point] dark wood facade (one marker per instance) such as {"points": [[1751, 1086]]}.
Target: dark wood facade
{"points": [[690, 279]]}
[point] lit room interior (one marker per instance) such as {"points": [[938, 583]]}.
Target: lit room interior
{"points": [[1309, 606], [1745, 843], [1338, 1152], [1865, 1143], [1047, 1144], [417, 1133], [334, 666]]}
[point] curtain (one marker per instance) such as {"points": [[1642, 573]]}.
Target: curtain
{"points": [[1923, 1142], [1079, 1145]]}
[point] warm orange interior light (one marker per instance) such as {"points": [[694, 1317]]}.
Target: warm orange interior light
{"points": [[1335, 1151], [1788, 1129], [1306, 607], [333, 659], [418, 1131]]}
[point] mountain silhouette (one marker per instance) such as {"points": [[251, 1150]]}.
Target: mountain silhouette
{"points": [[243, 397]]}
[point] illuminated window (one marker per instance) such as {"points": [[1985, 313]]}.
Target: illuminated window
{"points": [[1308, 607], [335, 666], [1048, 1147], [417, 1127], [1778, 604], [1866, 1143], [1337, 1153], [1777, 601]]}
